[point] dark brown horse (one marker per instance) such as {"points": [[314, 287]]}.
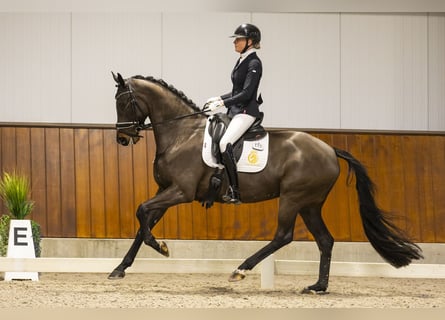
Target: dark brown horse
{"points": [[301, 171]]}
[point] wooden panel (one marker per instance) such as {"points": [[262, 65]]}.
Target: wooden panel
{"points": [[356, 226], [426, 195], [53, 187], [83, 207], [199, 220], [214, 219], [391, 167], [126, 200], [269, 221], [38, 178], [179, 222], [437, 153], [413, 186], [258, 216], [241, 223], [229, 222], [340, 195], [111, 181], [85, 185], [97, 187], [23, 150], [67, 183]]}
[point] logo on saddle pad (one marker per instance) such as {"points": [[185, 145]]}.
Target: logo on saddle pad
{"points": [[252, 153]]}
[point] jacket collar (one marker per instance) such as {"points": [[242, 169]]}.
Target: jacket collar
{"points": [[244, 55]]}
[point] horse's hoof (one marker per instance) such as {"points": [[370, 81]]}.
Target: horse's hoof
{"points": [[116, 274], [237, 275], [309, 290], [163, 249]]}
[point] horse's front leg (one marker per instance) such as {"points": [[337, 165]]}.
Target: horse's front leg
{"points": [[150, 212], [119, 271], [127, 261], [147, 220]]}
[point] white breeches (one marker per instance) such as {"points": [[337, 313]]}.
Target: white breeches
{"points": [[239, 124]]}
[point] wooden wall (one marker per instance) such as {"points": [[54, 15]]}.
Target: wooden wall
{"points": [[85, 185]]}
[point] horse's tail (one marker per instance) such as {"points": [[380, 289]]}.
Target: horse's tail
{"points": [[388, 240]]}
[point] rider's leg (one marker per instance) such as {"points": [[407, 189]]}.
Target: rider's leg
{"points": [[239, 124], [228, 159]]}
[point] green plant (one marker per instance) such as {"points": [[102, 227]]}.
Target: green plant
{"points": [[4, 234], [14, 190], [35, 227]]}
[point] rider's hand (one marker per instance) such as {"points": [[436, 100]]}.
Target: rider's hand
{"points": [[213, 104], [210, 100]]}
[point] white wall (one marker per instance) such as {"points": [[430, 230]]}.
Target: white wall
{"points": [[321, 70], [301, 59], [130, 43], [35, 67], [384, 71]]}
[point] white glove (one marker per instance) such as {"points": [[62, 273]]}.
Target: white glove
{"points": [[213, 104], [212, 100]]}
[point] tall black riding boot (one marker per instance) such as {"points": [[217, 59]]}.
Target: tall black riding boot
{"points": [[228, 159]]}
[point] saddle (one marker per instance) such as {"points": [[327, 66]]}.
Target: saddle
{"points": [[218, 126], [256, 139]]}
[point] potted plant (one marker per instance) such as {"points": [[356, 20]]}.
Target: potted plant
{"points": [[14, 191]]}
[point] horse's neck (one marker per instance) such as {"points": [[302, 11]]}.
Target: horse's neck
{"points": [[162, 105], [165, 111], [177, 135]]}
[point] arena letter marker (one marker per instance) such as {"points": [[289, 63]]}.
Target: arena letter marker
{"points": [[21, 245]]}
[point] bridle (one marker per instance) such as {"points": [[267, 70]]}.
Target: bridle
{"points": [[139, 125]]}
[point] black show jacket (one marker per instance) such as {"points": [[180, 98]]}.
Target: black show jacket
{"points": [[246, 80]]}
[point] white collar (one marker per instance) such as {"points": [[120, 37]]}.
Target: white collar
{"points": [[245, 54]]}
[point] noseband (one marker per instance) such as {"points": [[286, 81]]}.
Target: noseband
{"points": [[138, 125]]}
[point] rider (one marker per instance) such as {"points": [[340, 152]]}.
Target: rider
{"points": [[242, 103]]}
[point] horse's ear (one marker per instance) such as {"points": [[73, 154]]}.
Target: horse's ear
{"points": [[119, 80]]}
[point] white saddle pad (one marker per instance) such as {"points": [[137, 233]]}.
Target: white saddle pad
{"points": [[253, 159]]}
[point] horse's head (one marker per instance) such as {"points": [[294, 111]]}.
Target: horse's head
{"points": [[130, 118]]}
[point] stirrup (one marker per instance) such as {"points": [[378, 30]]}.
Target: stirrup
{"points": [[232, 196]]}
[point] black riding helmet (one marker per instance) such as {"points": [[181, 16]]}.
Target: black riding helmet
{"points": [[248, 31]]}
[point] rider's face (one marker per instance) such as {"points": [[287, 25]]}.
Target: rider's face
{"points": [[240, 44]]}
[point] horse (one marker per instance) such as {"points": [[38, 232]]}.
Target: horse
{"points": [[301, 171]]}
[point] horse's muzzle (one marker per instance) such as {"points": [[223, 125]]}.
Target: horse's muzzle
{"points": [[122, 140]]}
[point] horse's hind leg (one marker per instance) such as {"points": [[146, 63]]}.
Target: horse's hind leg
{"points": [[283, 236], [315, 224]]}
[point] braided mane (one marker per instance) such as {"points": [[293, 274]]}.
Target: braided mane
{"points": [[170, 88]]}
